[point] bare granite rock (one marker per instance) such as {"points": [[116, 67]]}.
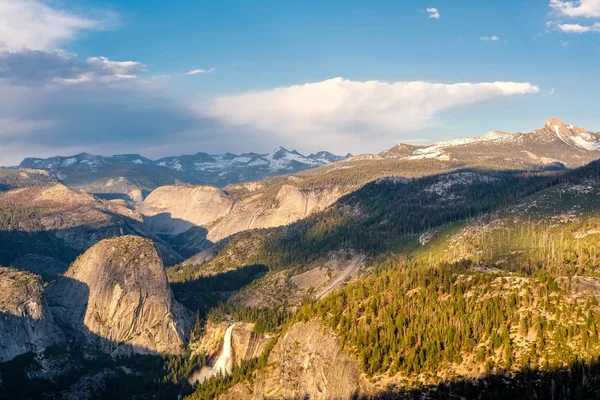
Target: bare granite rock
{"points": [[116, 297], [307, 362], [26, 323], [176, 209]]}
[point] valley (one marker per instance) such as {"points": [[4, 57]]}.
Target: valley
{"points": [[416, 272]]}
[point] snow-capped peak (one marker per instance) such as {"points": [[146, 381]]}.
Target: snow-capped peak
{"points": [[572, 135]]}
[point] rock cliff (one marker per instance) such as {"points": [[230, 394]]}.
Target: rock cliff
{"points": [[116, 296], [245, 343], [26, 323], [176, 209], [58, 222], [307, 362]]}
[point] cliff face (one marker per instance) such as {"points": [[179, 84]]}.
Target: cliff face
{"points": [[176, 209], [26, 323], [116, 296], [245, 343], [59, 222], [307, 362]]}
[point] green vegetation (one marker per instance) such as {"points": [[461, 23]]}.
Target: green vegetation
{"points": [[219, 384], [18, 178], [264, 319], [207, 292], [374, 220], [420, 320], [126, 378]]}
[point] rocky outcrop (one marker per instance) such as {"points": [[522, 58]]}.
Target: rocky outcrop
{"points": [[26, 323], [116, 296], [61, 223], [246, 343], [207, 214], [307, 362], [315, 280], [23, 177], [227, 344], [290, 205], [79, 219], [175, 209]]}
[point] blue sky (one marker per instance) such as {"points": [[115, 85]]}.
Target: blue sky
{"points": [[108, 76]]}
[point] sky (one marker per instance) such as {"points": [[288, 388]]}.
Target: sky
{"points": [[166, 78]]}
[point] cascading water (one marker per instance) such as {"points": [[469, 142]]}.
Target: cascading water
{"points": [[223, 365], [225, 361]]}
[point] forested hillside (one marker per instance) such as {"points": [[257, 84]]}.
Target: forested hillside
{"points": [[471, 274]]}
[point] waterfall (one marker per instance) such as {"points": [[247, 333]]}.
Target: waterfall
{"points": [[223, 364]]}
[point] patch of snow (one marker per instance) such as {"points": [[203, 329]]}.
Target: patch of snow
{"points": [[258, 162], [177, 166], [137, 161], [69, 161], [581, 142], [434, 153]]}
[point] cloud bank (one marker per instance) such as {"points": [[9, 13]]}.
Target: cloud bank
{"points": [[55, 102], [34, 25], [360, 111]]}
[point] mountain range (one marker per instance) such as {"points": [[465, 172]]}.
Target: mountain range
{"points": [[135, 176], [555, 143], [466, 268]]}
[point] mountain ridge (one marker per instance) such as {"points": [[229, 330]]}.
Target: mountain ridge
{"points": [[92, 161], [554, 142], [132, 176]]}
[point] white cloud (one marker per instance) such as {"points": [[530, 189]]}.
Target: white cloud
{"points": [[37, 68], [340, 109], [433, 13], [492, 38], [34, 25], [103, 70], [573, 28], [575, 9], [582, 8], [200, 71], [116, 67], [551, 92]]}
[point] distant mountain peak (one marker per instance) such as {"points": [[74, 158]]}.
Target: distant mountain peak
{"points": [[327, 157], [214, 169], [554, 121], [555, 141], [561, 128]]}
